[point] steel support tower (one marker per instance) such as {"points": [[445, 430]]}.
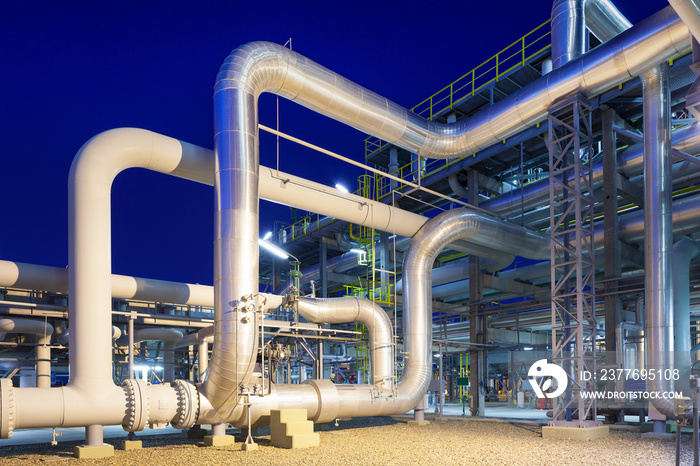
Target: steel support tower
{"points": [[572, 258]]}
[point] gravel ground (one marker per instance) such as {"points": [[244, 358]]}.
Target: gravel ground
{"points": [[388, 441]]}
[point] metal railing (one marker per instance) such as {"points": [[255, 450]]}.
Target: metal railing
{"points": [[512, 57]]}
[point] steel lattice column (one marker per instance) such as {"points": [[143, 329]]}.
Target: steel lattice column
{"points": [[572, 258]]}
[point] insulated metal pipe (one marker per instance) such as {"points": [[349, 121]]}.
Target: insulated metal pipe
{"points": [[689, 11], [55, 279], [169, 336], [568, 31], [90, 385], [604, 20], [291, 75], [315, 197], [352, 309], [204, 337], [684, 252], [658, 229], [43, 332], [629, 162]]}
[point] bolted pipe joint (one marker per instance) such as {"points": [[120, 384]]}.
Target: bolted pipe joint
{"points": [[8, 409], [176, 403]]}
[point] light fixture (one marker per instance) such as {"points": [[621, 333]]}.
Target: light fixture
{"points": [[267, 235], [358, 251], [273, 249], [341, 188], [528, 348]]}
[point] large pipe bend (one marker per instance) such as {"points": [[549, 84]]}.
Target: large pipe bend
{"points": [[689, 11], [25, 326], [91, 398], [352, 309]]}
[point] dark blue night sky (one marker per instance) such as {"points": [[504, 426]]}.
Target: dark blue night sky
{"points": [[70, 70]]}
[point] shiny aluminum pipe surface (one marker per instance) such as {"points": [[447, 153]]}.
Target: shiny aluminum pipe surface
{"points": [[604, 20], [269, 67], [689, 12], [370, 400], [352, 309], [630, 164], [658, 229], [568, 31], [685, 250], [55, 279]]}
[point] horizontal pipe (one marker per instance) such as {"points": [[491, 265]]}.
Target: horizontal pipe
{"points": [[25, 326], [629, 162]]}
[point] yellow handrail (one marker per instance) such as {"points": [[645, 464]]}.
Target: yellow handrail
{"points": [[474, 80]]}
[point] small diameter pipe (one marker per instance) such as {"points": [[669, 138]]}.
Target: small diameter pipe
{"points": [[131, 345], [43, 332]]}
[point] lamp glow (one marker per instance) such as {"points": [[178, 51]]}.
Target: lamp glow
{"points": [[267, 235], [273, 249], [341, 188]]}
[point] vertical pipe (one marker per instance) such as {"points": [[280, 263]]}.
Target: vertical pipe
{"points": [[319, 360], [131, 345], [684, 251], [236, 223], [419, 410], [203, 357], [658, 230], [43, 361], [218, 430], [168, 361], [323, 272], [568, 31], [94, 436], [393, 165], [478, 323], [441, 396], [696, 423]]}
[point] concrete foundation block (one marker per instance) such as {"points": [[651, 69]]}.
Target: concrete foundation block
{"points": [[418, 423], [96, 451], [219, 440], [250, 447], [282, 416], [441, 419], [575, 433], [132, 445], [290, 428]]}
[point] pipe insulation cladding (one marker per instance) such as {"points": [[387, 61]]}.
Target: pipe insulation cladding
{"points": [[91, 398]]}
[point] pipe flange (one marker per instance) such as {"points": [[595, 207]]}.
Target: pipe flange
{"points": [[187, 404], [7, 408], [137, 405]]}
